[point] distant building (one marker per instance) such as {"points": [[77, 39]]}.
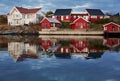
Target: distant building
{"points": [[94, 14], [22, 16], [63, 15]]}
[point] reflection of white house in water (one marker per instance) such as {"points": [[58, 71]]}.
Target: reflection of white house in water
{"points": [[21, 50]]}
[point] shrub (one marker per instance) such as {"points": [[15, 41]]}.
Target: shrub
{"points": [[66, 25]]}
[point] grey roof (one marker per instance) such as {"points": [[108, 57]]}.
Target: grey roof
{"points": [[60, 12], [53, 20], [95, 12]]}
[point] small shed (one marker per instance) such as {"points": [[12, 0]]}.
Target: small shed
{"points": [[50, 23], [111, 27]]}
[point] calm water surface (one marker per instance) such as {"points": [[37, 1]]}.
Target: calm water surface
{"points": [[59, 59]]}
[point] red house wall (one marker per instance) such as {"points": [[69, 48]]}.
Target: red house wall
{"points": [[111, 27], [94, 19], [80, 22], [64, 18], [45, 24]]}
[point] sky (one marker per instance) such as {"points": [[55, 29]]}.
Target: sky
{"points": [[107, 6]]}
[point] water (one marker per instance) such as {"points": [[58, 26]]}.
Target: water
{"points": [[59, 59]]}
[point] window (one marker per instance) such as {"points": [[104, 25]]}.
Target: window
{"points": [[67, 17], [17, 15], [61, 17], [101, 17], [74, 16], [93, 16], [51, 25], [81, 25], [24, 16], [105, 28], [113, 28]]}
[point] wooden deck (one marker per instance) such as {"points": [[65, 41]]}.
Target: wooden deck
{"points": [[71, 32], [70, 37]]}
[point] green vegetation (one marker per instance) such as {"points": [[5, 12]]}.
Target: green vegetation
{"points": [[65, 43], [98, 44], [65, 25], [49, 13], [98, 25]]}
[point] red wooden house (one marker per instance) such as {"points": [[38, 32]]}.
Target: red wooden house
{"points": [[49, 23], [80, 23], [111, 27], [94, 14], [111, 42], [63, 15]]}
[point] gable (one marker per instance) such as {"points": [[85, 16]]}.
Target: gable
{"points": [[14, 11], [111, 23], [45, 20], [79, 19]]}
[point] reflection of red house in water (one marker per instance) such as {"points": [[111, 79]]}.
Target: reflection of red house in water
{"points": [[79, 45], [45, 44], [110, 27], [111, 42], [79, 23]]}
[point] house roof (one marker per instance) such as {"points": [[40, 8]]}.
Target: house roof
{"points": [[26, 11], [111, 23], [53, 20], [95, 12], [60, 12]]}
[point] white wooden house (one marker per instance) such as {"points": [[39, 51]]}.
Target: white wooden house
{"points": [[22, 16]]}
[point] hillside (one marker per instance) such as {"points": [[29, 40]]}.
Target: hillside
{"points": [[98, 25]]}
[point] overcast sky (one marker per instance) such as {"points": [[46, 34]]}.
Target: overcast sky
{"points": [[111, 6]]}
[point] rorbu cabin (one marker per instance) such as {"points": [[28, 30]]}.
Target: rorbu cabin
{"points": [[80, 23], [94, 14], [63, 15], [50, 24], [111, 27]]}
